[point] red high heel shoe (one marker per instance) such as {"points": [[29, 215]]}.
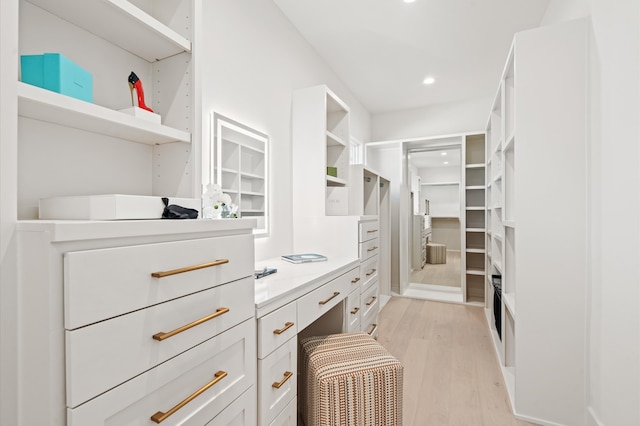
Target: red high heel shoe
{"points": [[134, 82]]}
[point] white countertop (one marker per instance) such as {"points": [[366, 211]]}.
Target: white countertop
{"points": [[294, 280]]}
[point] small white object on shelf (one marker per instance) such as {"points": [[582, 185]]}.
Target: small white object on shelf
{"points": [[143, 114], [108, 207]]}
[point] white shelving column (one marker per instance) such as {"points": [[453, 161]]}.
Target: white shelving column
{"points": [[537, 226], [474, 218]]}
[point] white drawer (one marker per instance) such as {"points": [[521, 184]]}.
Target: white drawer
{"points": [[355, 278], [368, 272], [101, 284], [276, 328], [277, 380], [370, 323], [241, 412], [352, 311], [369, 230], [288, 416], [166, 386], [369, 301], [103, 355], [368, 249], [316, 303]]}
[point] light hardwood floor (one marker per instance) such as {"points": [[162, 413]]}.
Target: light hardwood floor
{"points": [[447, 274], [451, 375]]}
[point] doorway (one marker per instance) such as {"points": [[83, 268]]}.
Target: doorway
{"points": [[435, 225]]}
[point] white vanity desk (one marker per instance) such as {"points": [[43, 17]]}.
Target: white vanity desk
{"points": [[288, 303]]}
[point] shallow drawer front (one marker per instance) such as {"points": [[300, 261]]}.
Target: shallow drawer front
{"points": [[369, 272], [355, 278], [318, 302], [368, 249], [222, 368], [369, 230], [369, 301], [276, 328], [101, 284], [288, 416], [277, 379], [242, 412], [352, 311], [106, 354]]}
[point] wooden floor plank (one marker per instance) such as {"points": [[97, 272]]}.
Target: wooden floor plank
{"points": [[451, 374]]}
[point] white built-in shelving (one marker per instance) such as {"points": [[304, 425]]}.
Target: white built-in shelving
{"points": [[536, 223], [475, 204], [113, 152], [240, 168]]}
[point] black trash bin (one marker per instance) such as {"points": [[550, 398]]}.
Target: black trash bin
{"points": [[496, 280]]}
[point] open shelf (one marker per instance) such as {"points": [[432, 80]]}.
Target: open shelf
{"points": [[121, 23], [45, 105]]}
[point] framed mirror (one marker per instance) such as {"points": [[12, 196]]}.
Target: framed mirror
{"points": [[238, 163]]}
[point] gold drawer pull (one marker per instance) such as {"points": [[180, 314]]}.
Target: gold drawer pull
{"points": [[161, 336], [287, 325], [163, 274], [373, 328], [371, 231], [159, 417], [287, 376], [355, 310], [372, 248], [355, 280], [371, 271], [373, 299], [324, 302]]}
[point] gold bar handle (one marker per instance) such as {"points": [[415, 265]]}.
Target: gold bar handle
{"points": [[324, 302], [287, 376], [159, 417], [373, 328], [163, 274], [287, 325], [355, 280], [373, 299], [372, 248], [371, 231], [371, 271], [162, 335], [355, 310]]}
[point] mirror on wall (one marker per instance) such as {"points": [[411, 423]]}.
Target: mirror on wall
{"points": [[435, 228], [238, 164]]}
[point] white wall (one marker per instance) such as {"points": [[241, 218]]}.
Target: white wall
{"points": [[443, 119], [254, 59], [613, 329]]}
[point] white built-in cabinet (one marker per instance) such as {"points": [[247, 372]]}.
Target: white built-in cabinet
{"points": [[320, 153], [537, 222], [80, 310]]}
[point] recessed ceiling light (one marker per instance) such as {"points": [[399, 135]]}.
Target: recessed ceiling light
{"points": [[409, 1], [443, 153], [446, 162], [429, 80]]}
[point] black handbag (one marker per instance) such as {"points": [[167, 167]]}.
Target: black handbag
{"points": [[173, 211]]}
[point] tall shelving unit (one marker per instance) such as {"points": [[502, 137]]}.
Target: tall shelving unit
{"points": [[537, 221], [62, 138], [321, 146], [475, 218]]}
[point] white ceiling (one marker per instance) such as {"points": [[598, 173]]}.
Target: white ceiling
{"points": [[383, 49]]}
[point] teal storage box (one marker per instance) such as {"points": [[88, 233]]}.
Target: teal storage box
{"points": [[55, 72]]}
